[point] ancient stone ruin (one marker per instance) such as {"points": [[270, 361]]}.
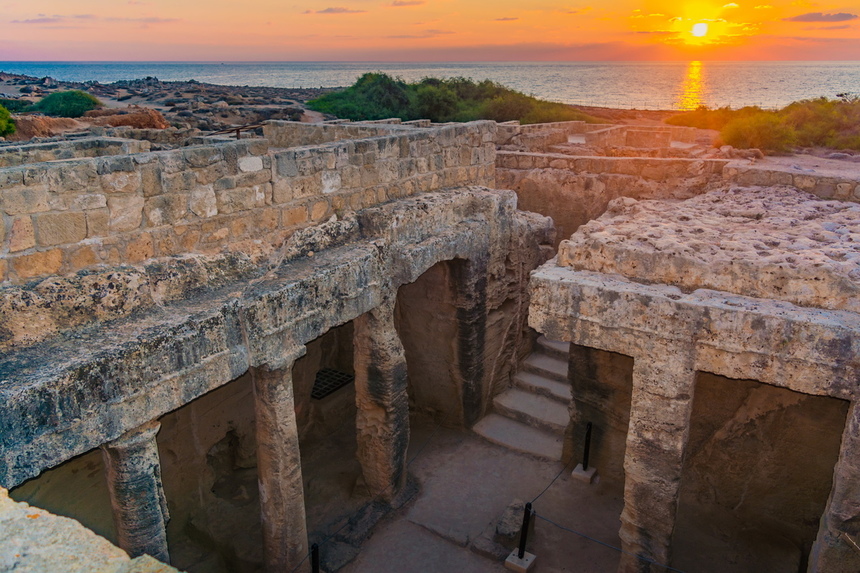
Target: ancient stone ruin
{"points": [[187, 319]]}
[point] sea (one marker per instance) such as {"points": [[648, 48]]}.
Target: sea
{"points": [[628, 85]]}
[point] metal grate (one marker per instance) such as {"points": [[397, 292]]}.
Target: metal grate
{"points": [[329, 380]]}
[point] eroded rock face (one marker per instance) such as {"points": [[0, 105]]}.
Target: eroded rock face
{"points": [[775, 242], [35, 541]]}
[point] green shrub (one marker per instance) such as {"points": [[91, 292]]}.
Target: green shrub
{"points": [[764, 130], [436, 102], [378, 96], [7, 126], [820, 122], [15, 105], [66, 104]]}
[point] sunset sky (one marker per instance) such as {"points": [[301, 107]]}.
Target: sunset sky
{"points": [[428, 30]]}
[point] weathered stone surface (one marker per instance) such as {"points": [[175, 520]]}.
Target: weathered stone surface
{"points": [[285, 537], [137, 494], [770, 243], [22, 235], [382, 419], [35, 541], [126, 212], [60, 228]]}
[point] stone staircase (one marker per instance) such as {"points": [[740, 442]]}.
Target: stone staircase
{"points": [[531, 416]]}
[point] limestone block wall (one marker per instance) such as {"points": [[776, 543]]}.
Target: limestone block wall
{"points": [[12, 155], [169, 136], [71, 215], [648, 138], [639, 136], [239, 196], [845, 187], [608, 137], [297, 134], [575, 190], [540, 135]]}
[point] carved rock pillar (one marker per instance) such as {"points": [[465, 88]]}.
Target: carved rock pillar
{"points": [[382, 420], [137, 496], [279, 467], [837, 548], [663, 383]]}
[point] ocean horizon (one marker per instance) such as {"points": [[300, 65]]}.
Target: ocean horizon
{"points": [[629, 85]]}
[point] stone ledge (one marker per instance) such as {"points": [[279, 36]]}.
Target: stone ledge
{"points": [[809, 350], [35, 541], [776, 243]]}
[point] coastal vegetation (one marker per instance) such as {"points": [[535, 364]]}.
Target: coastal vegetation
{"points": [[820, 122], [380, 96], [74, 103], [7, 126]]}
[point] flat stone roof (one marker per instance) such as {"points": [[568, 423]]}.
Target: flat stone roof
{"points": [[774, 242]]}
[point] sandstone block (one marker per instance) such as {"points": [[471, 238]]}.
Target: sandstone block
{"points": [[126, 212], [295, 216], [241, 199], [38, 264], [61, 228], [21, 235], [24, 200], [72, 178], [165, 209], [82, 258], [250, 164], [88, 201], [178, 182], [319, 210], [805, 182], [121, 182], [140, 249], [114, 164], [150, 180], [202, 156], [98, 222], [211, 173], [285, 165], [203, 202], [331, 182]]}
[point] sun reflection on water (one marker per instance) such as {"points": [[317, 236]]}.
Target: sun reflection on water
{"points": [[692, 90]]}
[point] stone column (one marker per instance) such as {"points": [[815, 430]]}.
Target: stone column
{"points": [[662, 400], [382, 420], [279, 467], [137, 497], [833, 552], [470, 284]]}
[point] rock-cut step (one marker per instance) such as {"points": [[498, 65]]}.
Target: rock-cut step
{"points": [[546, 366], [532, 409], [537, 384], [519, 437], [554, 348]]}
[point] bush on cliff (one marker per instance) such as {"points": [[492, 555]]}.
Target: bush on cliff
{"points": [[66, 104], [7, 126], [379, 96]]}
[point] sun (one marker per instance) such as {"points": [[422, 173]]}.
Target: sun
{"points": [[700, 29]]}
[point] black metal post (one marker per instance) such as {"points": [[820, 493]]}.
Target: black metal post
{"points": [[315, 558], [587, 446], [524, 532]]}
